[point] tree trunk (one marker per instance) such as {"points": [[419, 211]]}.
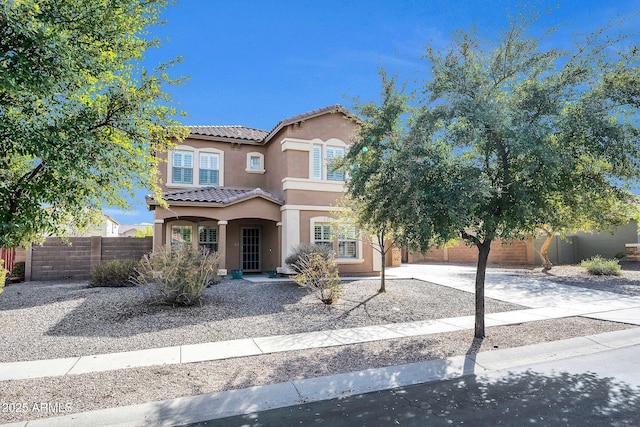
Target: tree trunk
{"points": [[381, 242], [382, 272], [545, 249], [483, 256]]}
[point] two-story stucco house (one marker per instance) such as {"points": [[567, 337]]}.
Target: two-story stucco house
{"points": [[252, 194]]}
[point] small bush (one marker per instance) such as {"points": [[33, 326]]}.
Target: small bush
{"points": [[302, 251], [620, 255], [178, 275], [114, 274], [18, 269], [601, 266], [320, 274]]}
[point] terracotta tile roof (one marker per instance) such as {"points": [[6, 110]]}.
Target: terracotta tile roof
{"points": [[234, 132], [244, 133], [222, 196]]}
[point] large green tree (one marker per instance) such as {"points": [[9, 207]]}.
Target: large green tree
{"points": [[504, 126], [371, 176], [80, 117]]}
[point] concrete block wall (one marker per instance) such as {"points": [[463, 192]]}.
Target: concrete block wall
{"points": [[513, 252], [119, 248], [73, 260]]}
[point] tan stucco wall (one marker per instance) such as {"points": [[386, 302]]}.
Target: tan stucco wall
{"points": [[253, 208], [295, 164], [323, 127], [235, 164], [316, 198]]}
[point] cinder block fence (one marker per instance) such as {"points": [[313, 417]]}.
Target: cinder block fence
{"points": [[73, 260]]}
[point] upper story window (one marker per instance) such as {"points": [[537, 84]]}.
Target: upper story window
{"points": [[182, 167], [209, 169], [334, 153], [192, 166], [323, 164], [255, 162]]}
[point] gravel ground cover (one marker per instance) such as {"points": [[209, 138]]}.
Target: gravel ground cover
{"points": [[626, 284], [45, 321], [40, 320]]}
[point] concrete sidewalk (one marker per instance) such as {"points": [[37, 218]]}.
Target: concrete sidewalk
{"points": [[237, 402], [626, 310]]}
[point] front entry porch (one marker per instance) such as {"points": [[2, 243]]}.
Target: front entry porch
{"points": [[250, 245]]}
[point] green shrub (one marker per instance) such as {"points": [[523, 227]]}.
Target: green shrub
{"points": [[620, 255], [320, 274], [601, 266], [178, 275], [114, 274], [302, 251], [18, 269], [3, 274]]}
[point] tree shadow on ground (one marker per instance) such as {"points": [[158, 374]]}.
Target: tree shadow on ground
{"points": [[129, 311], [37, 294], [513, 399], [283, 307]]}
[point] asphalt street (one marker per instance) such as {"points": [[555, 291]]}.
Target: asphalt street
{"points": [[601, 389]]}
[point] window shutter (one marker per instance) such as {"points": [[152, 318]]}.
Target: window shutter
{"points": [[317, 162], [333, 153], [209, 161], [177, 159], [187, 159]]}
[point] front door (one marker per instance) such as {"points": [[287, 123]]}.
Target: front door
{"points": [[251, 249]]}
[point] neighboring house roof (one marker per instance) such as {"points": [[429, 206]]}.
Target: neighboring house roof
{"points": [[243, 133], [108, 218], [126, 228], [221, 196]]}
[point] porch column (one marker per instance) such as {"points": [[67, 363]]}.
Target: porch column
{"points": [[290, 234], [157, 234], [222, 246], [279, 231]]}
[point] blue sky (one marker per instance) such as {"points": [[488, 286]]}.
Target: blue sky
{"points": [[254, 63]]}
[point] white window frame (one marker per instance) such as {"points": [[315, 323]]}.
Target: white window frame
{"points": [[321, 220], [196, 166], [183, 153], [207, 155], [319, 162], [260, 168]]}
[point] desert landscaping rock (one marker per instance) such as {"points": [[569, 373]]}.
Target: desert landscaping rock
{"points": [[44, 321]]}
